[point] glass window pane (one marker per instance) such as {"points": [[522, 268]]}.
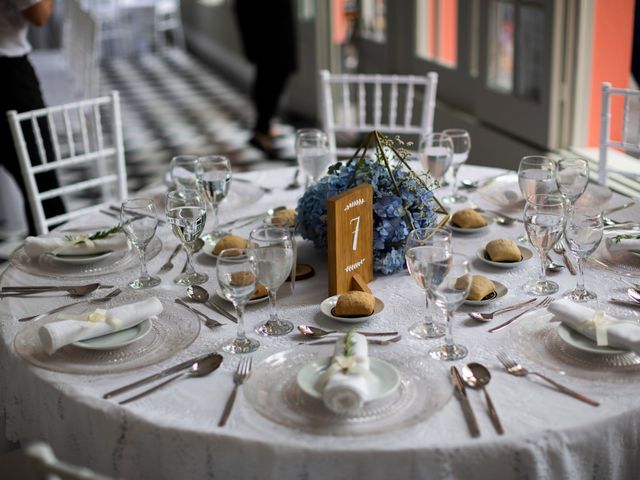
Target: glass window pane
{"points": [[531, 35], [501, 46], [437, 31], [373, 20]]}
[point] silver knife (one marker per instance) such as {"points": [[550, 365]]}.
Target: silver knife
{"points": [[621, 207], [626, 303], [157, 376], [221, 311], [461, 393]]}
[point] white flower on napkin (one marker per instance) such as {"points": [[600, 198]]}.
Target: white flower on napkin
{"points": [[36, 246], [620, 244]]}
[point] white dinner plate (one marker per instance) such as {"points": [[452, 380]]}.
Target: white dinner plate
{"points": [[501, 291], [579, 341], [80, 259], [488, 218], [524, 251], [119, 339], [328, 305], [503, 191], [386, 378]]}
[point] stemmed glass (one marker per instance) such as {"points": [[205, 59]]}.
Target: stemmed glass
{"points": [[536, 176], [572, 177], [139, 222], [544, 219], [185, 172], [583, 233], [436, 154], [312, 149], [215, 179], [273, 249], [449, 294], [423, 245], [461, 148], [237, 271], [186, 212]]}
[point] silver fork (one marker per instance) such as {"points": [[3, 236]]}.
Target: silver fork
{"points": [[514, 368], [242, 373], [542, 304], [209, 322], [489, 315], [168, 265], [106, 298]]}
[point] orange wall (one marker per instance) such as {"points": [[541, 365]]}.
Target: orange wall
{"points": [[611, 59]]}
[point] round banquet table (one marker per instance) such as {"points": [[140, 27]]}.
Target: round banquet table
{"points": [[173, 433]]}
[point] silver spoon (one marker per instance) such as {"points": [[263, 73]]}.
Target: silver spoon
{"points": [[478, 376], [488, 316], [553, 266], [200, 295], [470, 184], [79, 291], [93, 301], [634, 294], [317, 332], [198, 369], [295, 184]]}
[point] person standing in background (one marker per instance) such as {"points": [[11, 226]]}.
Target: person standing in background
{"points": [[268, 35], [20, 90]]}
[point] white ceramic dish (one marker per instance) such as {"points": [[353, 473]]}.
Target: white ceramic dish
{"points": [[501, 291], [576, 340], [524, 251], [79, 259], [328, 305], [387, 378], [119, 339]]}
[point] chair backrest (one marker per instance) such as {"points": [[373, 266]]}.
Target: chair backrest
{"points": [[81, 47], [48, 467], [630, 134], [359, 103], [85, 136]]}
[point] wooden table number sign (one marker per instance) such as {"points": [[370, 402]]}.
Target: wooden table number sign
{"points": [[350, 238]]}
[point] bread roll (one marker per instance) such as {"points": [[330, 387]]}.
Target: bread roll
{"points": [[355, 304], [261, 291], [481, 287], [468, 218], [230, 241], [285, 218], [503, 250]]}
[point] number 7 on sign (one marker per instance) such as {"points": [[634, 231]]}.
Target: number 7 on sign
{"points": [[355, 232]]}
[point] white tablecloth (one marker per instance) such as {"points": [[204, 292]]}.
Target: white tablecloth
{"points": [[173, 433]]}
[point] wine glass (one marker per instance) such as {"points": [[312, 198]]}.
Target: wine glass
{"points": [[438, 240], [544, 219], [215, 179], [312, 149], [461, 148], [583, 233], [572, 177], [283, 222], [185, 172], [139, 222], [536, 175], [449, 295], [186, 212], [237, 272], [436, 154]]}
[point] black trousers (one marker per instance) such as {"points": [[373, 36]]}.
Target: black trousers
{"points": [[20, 90], [268, 85]]}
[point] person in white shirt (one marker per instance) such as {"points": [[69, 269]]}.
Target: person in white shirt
{"points": [[20, 90]]}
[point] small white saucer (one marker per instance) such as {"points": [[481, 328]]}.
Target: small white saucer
{"points": [[579, 341], [328, 305], [489, 219], [80, 259], [119, 339], [501, 291], [387, 378], [524, 251]]}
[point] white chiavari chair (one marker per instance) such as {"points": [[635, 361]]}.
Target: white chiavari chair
{"points": [[86, 151], [167, 20], [47, 467], [359, 103]]}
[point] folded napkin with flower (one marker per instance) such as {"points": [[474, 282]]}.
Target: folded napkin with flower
{"points": [[72, 328], [603, 329], [623, 244], [345, 385], [76, 245]]}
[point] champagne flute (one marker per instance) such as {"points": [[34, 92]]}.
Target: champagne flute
{"points": [[312, 150], [461, 147], [436, 154], [215, 179], [185, 172], [186, 212], [536, 175], [237, 272], [273, 249], [139, 222], [437, 239], [450, 293], [544, 219], [572, 177], [583, 233]]}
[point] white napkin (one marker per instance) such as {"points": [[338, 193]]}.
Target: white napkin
{"points": [[624, 245], [36, 246], [347, 391], [56, 335], [620, 334]]}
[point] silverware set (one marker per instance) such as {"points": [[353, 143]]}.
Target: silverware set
{"points": [[109, 296], [208, 321], [544, 303]]}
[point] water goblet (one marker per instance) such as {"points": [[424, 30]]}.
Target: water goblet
{"points": [[583, 233], [312, 150], [283, 222], [436, 154], [186, 212], [449, 294], [461, 147], [185, 172], [439, 239], [139, 222], [215, 179], [237, 273], [536, 175], [273, 249], [572, 177], [544, 219]]}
